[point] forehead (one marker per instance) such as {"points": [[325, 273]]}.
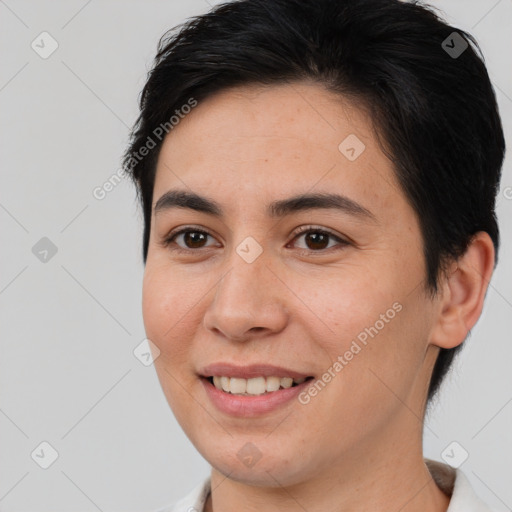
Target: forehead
{"points": [[267, 117], [260, 141]]}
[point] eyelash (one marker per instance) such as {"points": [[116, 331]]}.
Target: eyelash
{"points": [[169, 240]]}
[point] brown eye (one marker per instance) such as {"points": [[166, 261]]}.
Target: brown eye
{"points": [[189, 240], [317, 240], [194, 239]]}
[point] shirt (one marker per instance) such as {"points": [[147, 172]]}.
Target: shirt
{"points": [[453, 482]]}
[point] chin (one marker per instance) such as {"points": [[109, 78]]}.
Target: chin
{"points": [[250, 465]]}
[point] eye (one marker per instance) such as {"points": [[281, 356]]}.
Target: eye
{"points": [[192, 238], [316, 238]]}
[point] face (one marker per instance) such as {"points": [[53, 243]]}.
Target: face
{"points": [[256, 290]]}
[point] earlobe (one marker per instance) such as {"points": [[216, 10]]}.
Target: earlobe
{"points": [[463, 293]]}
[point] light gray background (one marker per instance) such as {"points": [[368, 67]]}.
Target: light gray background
{"points": [[68, 374]]}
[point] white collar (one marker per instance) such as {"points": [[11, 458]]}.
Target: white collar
{"points": [[452, 482], [455, 484]]}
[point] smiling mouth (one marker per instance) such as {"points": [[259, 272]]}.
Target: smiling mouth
{"points": [[254, 386]]}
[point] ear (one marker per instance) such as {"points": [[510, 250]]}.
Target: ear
{"points": [[463, 292]]}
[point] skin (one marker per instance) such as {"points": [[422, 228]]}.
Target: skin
{"points": [[357, 445]]}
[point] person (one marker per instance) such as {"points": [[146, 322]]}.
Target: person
{"points": [[318, 182]]}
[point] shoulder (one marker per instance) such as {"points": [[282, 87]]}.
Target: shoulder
{"points": [[455, 484], [464, 498], [452, 482], [193, 502]]}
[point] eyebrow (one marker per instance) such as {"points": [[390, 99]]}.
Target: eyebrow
{"points": [[280, 208]]}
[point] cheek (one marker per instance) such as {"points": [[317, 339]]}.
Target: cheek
{"points": [[383, 354], [166, 307], [372, 321], [341, 308], [155, 305]]}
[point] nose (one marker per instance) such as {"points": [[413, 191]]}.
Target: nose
{"points": [[249, 302]]}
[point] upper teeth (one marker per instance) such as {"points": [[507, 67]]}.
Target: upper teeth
{"points": [[254, 386]]}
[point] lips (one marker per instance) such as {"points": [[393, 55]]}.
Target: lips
{"points": [[254, 385], [251, 390], [250, 371]]}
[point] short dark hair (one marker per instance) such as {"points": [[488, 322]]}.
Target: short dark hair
{"points": [[434, 112]]}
